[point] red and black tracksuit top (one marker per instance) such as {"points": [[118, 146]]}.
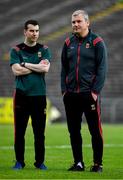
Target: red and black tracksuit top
{"points": [[84, 64]]}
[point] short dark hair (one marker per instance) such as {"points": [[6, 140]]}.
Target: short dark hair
{"points": [[82, 12], [33, 22]]}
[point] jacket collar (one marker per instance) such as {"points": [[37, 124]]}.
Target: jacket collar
{"points": [[87, 38]]}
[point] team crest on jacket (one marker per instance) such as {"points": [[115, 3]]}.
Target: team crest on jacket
{"points": [[39, 54], [93, 107], [87, 45]]}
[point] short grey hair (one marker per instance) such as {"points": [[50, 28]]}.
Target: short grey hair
{"points": [[82, 12]]}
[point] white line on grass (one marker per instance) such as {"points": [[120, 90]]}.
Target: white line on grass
{"points": [[64, 146]]}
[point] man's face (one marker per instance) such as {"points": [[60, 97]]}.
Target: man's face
{"points": [[79, 24], [32, 33]]}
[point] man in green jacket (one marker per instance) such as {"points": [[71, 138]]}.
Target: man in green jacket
{"points": [[29, 62], [84, 65]]}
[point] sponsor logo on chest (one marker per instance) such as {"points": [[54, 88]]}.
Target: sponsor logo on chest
{"points": [[39, 54]]}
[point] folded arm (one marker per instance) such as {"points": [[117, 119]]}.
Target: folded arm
{"points": [[43, 66], [18, 70]]}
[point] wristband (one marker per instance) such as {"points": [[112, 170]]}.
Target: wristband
{"points": [[23, 64]]}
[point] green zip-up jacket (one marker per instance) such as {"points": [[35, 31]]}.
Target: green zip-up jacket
{"points": [[84, 64], [32, 84]]}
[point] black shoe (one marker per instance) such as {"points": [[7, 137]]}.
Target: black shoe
{"points": [[96, 168], [77, 167]]}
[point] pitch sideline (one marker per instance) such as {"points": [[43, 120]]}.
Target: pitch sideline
{"points": [[64, 146]]}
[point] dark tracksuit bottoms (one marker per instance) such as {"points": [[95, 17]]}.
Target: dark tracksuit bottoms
{"points": [[25, 106], [75, 105]]}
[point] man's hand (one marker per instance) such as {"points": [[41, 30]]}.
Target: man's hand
{"points": [[94, 96], [45, 61]]}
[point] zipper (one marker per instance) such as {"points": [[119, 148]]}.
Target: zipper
{"points": [[77, 67]]}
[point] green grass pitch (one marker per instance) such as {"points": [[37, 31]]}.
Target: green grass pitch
{"points": [[59, 156]]}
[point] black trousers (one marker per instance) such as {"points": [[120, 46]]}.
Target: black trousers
{"points": [[75, 105], [25, 106]]}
